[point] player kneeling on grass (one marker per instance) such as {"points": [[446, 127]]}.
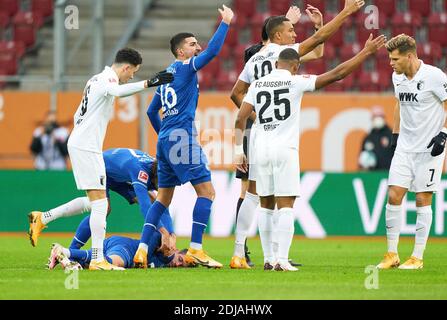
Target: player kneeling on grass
{"points": [[276, 99], [119, 251], [419, 136]]}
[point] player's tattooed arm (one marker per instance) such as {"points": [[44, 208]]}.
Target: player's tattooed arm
{"points": [[351, 6], [347, 67], [238, 92]]}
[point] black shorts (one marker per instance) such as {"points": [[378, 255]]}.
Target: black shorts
{"points": [[240, 174]]}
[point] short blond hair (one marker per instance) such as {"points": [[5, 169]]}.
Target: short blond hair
{"points": [[403, 43]]}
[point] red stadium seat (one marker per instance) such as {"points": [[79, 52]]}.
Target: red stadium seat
{"points": [[240, 21], [437, 28], [374, 81], [43, 7], [337, 38], [349, 50], [206, 80], [246, 8], [8, 61], [423, 7], [278, 7], [24, 28], [329, 52], [406, 23], [387, 7], [342, 85], [225, 52], [226, 80], [429, 52], [4, 22], [18, 47], [319, 4], [314, 67], [213, 67], [9, 7], [232, 38]]}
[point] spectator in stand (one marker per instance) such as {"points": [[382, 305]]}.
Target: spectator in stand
{"points": [[49, 145]]}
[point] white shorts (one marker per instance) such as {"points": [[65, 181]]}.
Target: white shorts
{"points": [[278, 172], [252, 172], [89, 169], [418, 172]]}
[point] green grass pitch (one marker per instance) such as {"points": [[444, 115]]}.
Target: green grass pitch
{"points": [[333, 268]]}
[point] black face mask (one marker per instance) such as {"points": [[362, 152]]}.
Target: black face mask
{"points": [[50, 127]]}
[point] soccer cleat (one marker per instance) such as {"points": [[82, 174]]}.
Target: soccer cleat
{"points": [[203, 259], [140, 259], [103, 265], [268, 266], [295, 264], [57, 256], [35, 226], [239, 263], [412, 264], [285, 267], [390, 260], [247, 255]]}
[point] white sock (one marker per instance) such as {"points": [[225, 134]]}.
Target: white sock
{"points": [[393, 218], [244, 221], [423, 225], [265, 225], [72, 208], [285, 230], [143, 246], [195, 245], [275, 239], [98, 228], [66, 252]]}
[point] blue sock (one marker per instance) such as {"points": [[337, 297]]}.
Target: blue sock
{"points": [[81, 256], [200, 217], [82, 235], [151, 221], [166, 220]]}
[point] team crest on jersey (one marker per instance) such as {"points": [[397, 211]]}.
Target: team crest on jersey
{"points": [[143, 176], [111, 80], [420, 85], [306, 75]]}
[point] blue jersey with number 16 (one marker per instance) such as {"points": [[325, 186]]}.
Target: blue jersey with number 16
{"points": [[178, 99]]}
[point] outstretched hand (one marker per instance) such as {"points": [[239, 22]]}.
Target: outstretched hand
{"points": [[315, 16], [226, 13], [353, 5], [293, 14], [373, 45], [160, 78]]}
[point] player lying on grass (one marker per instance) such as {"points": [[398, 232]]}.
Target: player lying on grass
{"points": [[119, 251], [276, 99], [130, 173]]}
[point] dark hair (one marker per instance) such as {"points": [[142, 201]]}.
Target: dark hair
{"points": [[289, 54], [128, 55], [273, 24], [177, 40], [264, 34]]}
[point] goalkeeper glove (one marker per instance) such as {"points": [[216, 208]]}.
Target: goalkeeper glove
{"points": [[160, 78], [438, 143]]}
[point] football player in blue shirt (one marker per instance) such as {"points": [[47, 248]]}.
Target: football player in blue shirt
{"points": [[180, 157], [119, 251], [130, 173]]}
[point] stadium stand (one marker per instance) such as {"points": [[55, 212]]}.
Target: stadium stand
{"points": [[24, 28]]}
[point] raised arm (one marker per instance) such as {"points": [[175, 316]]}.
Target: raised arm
{"points": [[216, 42], [128, 89], [329, 29], [340, 72], [316, 17]]}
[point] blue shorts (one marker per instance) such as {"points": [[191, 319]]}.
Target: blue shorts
{"points": [[122, 188], [122, 247], [181, 161]]}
